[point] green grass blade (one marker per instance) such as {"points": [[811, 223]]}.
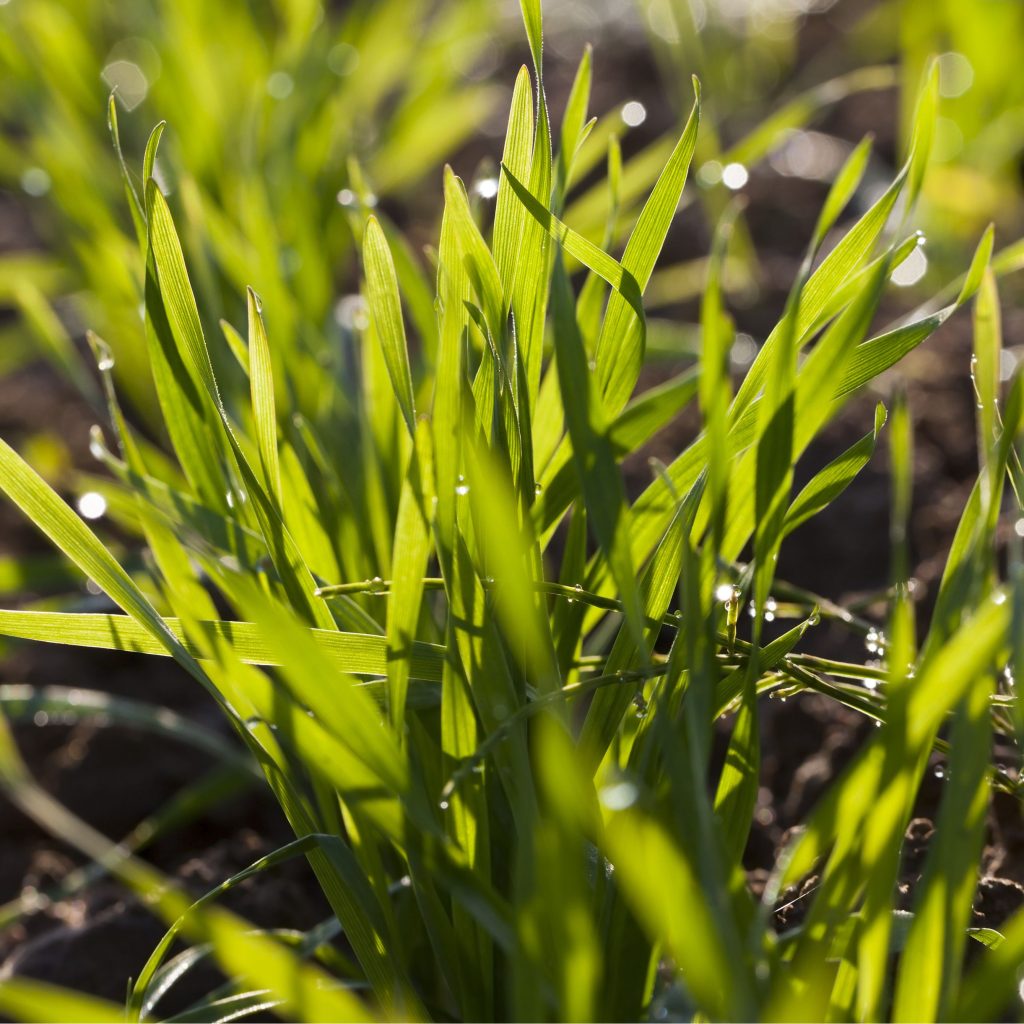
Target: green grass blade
{"points": [[657, 587], [509, 215], [510, 556], [715, 386], [307, 991], [183, 406], [412, 548], [533, 21], [356, 653], [985, 364], [923, 131], [844, 260], [350, 715], [798, 112], [66, 703], [599, 476], [386, 316], [53, 338], [69, 533], [574, 124], [620, 347], [992, 985], [453, 289], [842, 191], [307, 515], [176, 292], [134, 206], [365, 910], [830, 482], [27, 1000], [149, 158], [664, 891], [264, 412], [178, 301], [932, 960], [590, 255]]}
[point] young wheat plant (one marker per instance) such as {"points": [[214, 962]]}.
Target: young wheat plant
{"points": [[482, 683]]}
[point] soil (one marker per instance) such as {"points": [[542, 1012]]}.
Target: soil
{"points": [[115, 777]]}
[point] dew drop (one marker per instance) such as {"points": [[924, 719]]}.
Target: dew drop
{"points": [[873, 641], [350, 313], [97, 449], [35, 181], [486, 188], [956, 74], [734, 176], [619, 796], [461, 487], [104, 357], [92, 505], [280, 85], [342, 59], [634, 113], [443, 805], [710, 173], [912, 269]]}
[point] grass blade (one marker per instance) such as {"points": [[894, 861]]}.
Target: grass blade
{"points": [[264, 412], [620, 346], [356, 653], [386, 316]]}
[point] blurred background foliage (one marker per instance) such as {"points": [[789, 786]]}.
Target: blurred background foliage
{"points": [[288, 119]]}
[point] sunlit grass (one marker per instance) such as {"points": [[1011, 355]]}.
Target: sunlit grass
{"points": [[480, 680]]}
